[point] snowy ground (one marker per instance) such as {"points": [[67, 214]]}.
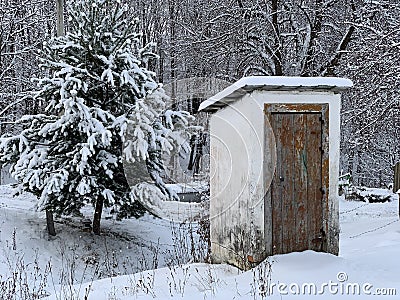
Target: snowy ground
{"points": [[69, 266]]}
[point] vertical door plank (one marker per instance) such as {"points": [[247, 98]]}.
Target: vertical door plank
{"points": [[301, 178], [276, 191], [314, 184], [287, 182]]}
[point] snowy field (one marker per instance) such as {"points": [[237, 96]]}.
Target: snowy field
{"points": [[77, 265]]}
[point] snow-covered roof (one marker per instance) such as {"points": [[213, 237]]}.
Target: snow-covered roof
{"points": [[273, 83]]}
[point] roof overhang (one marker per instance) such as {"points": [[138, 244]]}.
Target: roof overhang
{"points": [[273, 83]]}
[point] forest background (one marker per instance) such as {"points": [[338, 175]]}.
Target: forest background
{"points": [[229, 39]]}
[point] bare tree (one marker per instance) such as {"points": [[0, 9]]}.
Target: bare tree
{"points": [[371, 110]]}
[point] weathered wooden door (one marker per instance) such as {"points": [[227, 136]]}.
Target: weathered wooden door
{"points": [[296, 191]]}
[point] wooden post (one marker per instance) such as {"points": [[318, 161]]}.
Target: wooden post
{"points": [[396, 181]]}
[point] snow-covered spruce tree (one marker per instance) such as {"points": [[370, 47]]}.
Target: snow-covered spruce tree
{"points": [[97, 87]]}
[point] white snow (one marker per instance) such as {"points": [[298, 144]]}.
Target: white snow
{"points": [[189, 187], [275, 82], [160, 206], [369, 258], [381, 193]]}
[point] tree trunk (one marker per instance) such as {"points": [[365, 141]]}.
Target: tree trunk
{"points": [[97, 215], [329, 68], [50, 223], [316, 27], [60, 17], [277, 57], [60, 31]]}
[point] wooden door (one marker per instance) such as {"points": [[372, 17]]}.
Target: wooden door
{"points": [[296, 190]]}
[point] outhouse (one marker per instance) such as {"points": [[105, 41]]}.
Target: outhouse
{"points": [[274, 148]]}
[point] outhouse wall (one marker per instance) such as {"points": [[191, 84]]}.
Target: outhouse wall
{"points": [[240, 168]]}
